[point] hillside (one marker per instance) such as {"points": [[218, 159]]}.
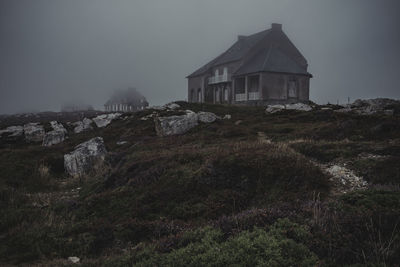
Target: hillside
{"points": [[289, 188]]}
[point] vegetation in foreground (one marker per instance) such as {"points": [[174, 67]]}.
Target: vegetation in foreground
{"points": [[226, 193]]}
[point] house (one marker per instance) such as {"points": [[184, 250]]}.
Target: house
{"points": [[259, 69], [126, 101]]}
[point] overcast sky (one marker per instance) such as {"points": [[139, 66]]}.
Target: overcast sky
{"points": [[60, 51]]}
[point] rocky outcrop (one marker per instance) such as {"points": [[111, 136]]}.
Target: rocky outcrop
{"points": [[56, 136], [85, 156], [84, 125], [174, 125], [105, 119], [372, 106], [207, 117], [172, 106], [34, 132], [297, 106], [12, 131], [345, 179]]}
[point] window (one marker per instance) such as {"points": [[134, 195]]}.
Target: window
{"points": [[217, 98], [292, 89], [199, 95], [192, 95], [240, 86], [226, 94], [254, 83]]}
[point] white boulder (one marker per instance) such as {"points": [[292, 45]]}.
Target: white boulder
{"points": [[172, 106], [56, 136], [227, 117], [207, 117], [173, 125], [105, 119], [84, 125], [85, 156], [295, 106], [74, 259], [12, 131], [34, 132]]}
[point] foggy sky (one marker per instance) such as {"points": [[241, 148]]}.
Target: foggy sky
{"points": [[61, 51]]}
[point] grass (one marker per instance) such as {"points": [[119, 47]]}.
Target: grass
{"points": [[221, 193]]}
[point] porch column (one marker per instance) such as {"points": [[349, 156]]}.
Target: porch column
{"points": [[260, 93], [233, 91], [246, 90]]}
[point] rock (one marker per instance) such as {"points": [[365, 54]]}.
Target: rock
{"points": [[238, 122], [297, 106], [73, 259], [207, 117], [53, 138], [84, 125], [274, 108], [105, 119], [172, 106], [58, 126], [174, 125], [227, 117], [56, 136], [347, 180], [13, 131], [34, 132], [85, 156], [121, 143], [372, 106], [147, 117]]}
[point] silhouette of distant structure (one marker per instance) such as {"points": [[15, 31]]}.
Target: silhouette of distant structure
{"points": [[126, 101]]}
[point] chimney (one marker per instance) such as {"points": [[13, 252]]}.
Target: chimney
{"points": [[276, 27]]}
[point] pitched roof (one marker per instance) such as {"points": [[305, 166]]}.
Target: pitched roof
{"points": [[266, 59], [236, 52], [273, 60]]}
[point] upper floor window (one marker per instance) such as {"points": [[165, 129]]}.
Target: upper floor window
{"points": [[216, 72]]}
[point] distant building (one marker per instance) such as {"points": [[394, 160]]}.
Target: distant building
{"points": [[126, 101], [263, 68]]}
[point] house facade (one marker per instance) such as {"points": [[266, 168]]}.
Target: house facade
{"points": [[128, 100], [263, 68]]}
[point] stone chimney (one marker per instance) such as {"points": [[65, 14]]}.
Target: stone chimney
{"points": [[276, 27]]}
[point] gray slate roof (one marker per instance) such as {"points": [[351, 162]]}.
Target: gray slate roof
{"points": [[272, 60], [267, 59]]}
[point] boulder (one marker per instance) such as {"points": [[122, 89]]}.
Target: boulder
{"points": [[12, 131], [274, 108], [207, 117], [85, 156], [56, 136], [105, 119], [172, 106], [84, 125], [372, 106], [74, 259], [296, 106], [227, 117], [34, 132], [174, 125], [299, 107]]}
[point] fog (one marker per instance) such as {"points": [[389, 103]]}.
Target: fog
{"points": [[60, 51]]}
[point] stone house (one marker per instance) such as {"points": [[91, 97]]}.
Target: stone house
{"points": [[128, 100], [263, 68]]}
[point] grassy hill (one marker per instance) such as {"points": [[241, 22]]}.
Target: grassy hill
{"points": [[245, 191]]}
